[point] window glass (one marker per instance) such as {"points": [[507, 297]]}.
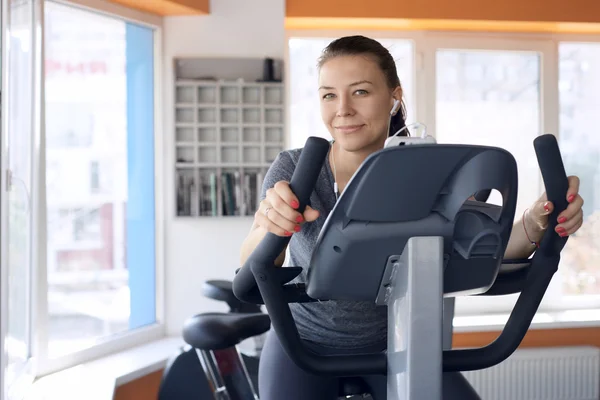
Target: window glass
{"points": [[100, 177], [579, 86]]}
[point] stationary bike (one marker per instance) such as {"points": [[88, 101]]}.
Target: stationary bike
{"points": [[434, 248], [217, 358], [406, 235]]}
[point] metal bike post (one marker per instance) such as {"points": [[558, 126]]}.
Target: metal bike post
{"points": [[415, 314]]}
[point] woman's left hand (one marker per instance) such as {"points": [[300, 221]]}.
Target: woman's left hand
{"points": [[569, 221]]}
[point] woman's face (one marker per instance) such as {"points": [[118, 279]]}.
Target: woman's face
{"points": [[355, 102]]}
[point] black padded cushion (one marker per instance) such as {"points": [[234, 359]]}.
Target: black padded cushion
{"points": [[215, 331], [220, 290]]}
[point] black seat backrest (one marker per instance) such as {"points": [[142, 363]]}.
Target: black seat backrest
{"points": [[380, 210], [222, 290]]}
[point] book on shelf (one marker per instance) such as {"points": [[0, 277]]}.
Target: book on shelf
{"points": [[186, 193], [236, 193]]}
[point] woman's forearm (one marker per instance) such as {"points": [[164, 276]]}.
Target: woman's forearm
{"points": [[519, 243], [255, 236]]}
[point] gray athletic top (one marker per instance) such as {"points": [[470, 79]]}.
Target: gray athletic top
{"points": [[336, 324]]}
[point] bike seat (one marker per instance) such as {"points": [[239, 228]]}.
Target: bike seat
{"points": [[222, 290], [215, 331], [352, 386]]}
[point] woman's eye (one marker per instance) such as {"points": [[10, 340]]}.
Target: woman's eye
{"points": [[328, 96], [361, 92]]}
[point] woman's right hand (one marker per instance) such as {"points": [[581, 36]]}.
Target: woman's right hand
{"points": [[278, 213]]}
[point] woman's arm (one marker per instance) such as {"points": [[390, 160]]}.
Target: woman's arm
{"points": [[257, 233], [277, 209], [532, 225], [522, 235]]}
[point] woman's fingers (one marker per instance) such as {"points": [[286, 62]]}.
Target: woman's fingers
{"points": [[278, 212], [571, 225], [285, 202], [267, 217]]}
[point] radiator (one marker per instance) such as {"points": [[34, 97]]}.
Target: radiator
{"points": [[569, 373]]}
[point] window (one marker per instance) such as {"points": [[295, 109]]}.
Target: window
{"points": [[100, 178], [491, 97], [78, 232], [18, 177], [73, 126], [94, 176], [484, 104], [579, 100], [305, 115]]}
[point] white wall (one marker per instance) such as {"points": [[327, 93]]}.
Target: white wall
{"points": [[206, 248]]}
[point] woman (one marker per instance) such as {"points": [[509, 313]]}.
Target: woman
{"points": [[361, 105]]}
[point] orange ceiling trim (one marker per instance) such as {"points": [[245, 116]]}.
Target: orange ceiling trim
{"points": [[400, 24], [587, 11], [165, 8]]}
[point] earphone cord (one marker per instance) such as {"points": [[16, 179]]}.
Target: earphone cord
{"points": [[335, 185]]}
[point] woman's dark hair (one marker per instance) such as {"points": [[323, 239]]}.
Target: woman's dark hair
{"points": [[361, 45]]}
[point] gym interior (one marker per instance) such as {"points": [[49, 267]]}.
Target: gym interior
{"points": [[198, 97]]}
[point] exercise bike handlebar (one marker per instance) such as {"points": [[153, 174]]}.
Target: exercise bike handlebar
{"points": [[538, 276], [258, 281], [557, 184], [302, 183]]}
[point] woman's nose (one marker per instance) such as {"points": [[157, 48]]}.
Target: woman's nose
{"points": [[344, 107]]}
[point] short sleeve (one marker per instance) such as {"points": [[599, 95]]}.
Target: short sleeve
{"points": [[281, 169]]}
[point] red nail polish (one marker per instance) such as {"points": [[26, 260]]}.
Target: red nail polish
{"points": [[297, 228], [560, 229], [571, 198], [286, 233], [546, 207], [295, 204], [562, 220], [563, 234], [299, 219]]}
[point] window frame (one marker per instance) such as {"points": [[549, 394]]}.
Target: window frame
{"points": [[3, 205], [127, 339], [548, 122], [25, 373], [425, 45]]}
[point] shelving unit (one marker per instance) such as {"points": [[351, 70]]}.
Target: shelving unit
{"points": [[227, 133]]}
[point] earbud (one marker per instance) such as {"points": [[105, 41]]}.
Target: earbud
{"points": [[395, 107]]}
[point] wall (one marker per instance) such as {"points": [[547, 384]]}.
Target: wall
{"points": [[201, 249]]}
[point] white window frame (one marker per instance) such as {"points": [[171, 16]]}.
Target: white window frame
{"points": [[580, 302], [548, 122], [3, 205], [25, 375], [41, 365], [425, 45]]}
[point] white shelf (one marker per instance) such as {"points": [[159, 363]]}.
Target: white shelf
{"points": [[227, 133]]}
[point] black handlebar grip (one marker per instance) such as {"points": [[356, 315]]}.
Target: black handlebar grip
{"points": [[308, 169], [302, 184], [557, 184]]}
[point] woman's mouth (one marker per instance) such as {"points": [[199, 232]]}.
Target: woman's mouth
{"points": [[348, 128]]}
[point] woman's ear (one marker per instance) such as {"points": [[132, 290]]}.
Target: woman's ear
{"points": [[397, 95]]}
